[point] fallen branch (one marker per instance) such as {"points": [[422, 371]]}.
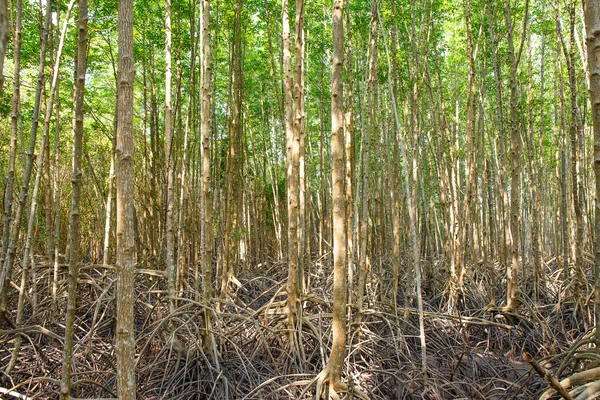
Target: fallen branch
{"points": [[14, 394], [577, 379], [548, 377]]}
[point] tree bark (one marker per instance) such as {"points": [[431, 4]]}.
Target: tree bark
{"points": [[169, 159], [126, 250], [515, 153], [292, 158], [592, 26], [334, 369], [370, 132], [74, 218]]}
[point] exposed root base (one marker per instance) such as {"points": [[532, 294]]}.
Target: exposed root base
{"points": [[473, 353]]}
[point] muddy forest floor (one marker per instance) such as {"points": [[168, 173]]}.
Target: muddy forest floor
{"points": [[474, 354]]}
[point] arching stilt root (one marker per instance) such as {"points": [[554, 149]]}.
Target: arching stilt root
{"points": [[333, 389]]}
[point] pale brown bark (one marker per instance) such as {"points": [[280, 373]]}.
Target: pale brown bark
{"points": [[502, 182], [206, 204], [395, 183], [561, 149], [515, 153], [370, 132], [335, 365], [299, 140], [412, 210], [471, 163], [234, 161], [57, 192], [169, 159], [349, 149], [292, 189], [575, 134], [108, 214], [184, 244], [126, 251], [592, 24], [74, 217]]}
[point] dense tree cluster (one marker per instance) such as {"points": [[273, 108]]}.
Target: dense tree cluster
{"points": [[354, 197]]}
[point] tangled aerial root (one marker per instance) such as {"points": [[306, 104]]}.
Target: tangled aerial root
{"points": [[473, 354], [581, 385]]}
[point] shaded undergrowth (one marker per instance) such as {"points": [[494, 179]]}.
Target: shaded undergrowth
{"points": [[471, 354]]}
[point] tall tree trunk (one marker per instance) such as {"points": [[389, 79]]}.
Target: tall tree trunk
{"points": [[126, 251], [515, 152], [396, 180], [57, 191], [234, 164], [184, 242], [74, 218], [575, 134], [561, 140], [349, 150], [169, 159], [592, 25], [536, 161], [292, 158], [371, 131], [334, 369], [412, 217], [502, 173], [206, 199], [299, 138]]}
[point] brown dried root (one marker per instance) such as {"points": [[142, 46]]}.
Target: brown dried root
{"points": [[548, 377], [578, 379]]}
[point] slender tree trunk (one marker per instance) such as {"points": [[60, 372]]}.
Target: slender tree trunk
{"points": [[74, 218], [292, 158], [396, 180], [537, 206], [412, 210], [515, 152], [234, 179], [299, 140], [169, 158], [108, 215], [592, 25], [561, 140], [334, 369], [349, 151], [57, 191], [184, 242], [372, 131], [206, 199], [574, 133], [126, 251], [502, 173]]}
